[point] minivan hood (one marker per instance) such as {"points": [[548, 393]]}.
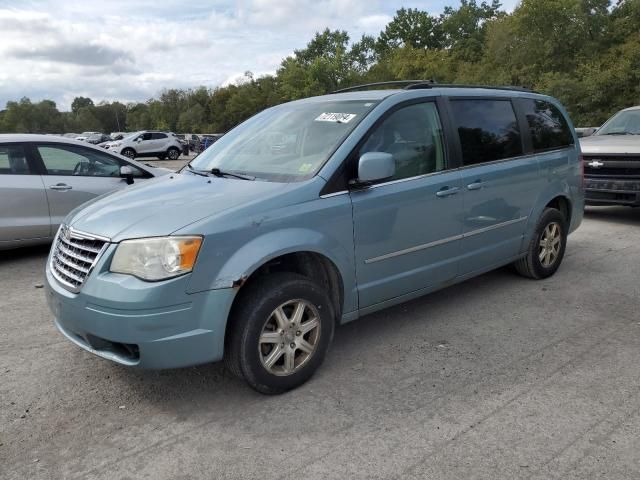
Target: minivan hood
{"points": [[163, 205], [616, 144]]}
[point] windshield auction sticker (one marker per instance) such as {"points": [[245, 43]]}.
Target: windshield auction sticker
{"points": [[335, 117]]}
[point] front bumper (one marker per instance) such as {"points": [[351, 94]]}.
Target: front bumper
{"points": [[142, 324], [612, 191]]}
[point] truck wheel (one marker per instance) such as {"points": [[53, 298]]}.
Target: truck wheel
{"points": [[173, 153], [547, 246], [129, 152], [280, 330]]}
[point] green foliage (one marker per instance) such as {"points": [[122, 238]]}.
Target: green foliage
{"points": [[584, 52]]}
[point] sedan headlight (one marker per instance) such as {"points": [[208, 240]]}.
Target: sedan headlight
{"points": [[156, 258]]}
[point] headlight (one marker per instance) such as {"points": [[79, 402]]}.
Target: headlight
{"points": [[113, 145], [156, 258]]}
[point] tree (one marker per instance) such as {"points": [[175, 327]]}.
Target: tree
{"points": [[410, 27], [80, 102]]}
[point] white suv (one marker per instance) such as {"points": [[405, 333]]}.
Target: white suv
{"points": [[148, 144]]}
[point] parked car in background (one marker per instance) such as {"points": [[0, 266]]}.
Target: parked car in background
{"points": [[97, 138], [84, 135], [612, 161], [118, 135], [70, 135], [207, 140], [183, 141], [43, 178], [314, 213], [194, 141], [147, 144]]}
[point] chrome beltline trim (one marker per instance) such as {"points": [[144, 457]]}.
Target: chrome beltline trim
{"points": [[443, 241]]}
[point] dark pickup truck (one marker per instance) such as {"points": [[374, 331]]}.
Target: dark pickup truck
{"points": [[612, 161]]}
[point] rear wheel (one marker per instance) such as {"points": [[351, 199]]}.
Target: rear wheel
{"points": [[162, 156], [280, 331], [129, 152], [173, 153], [547, 246]]}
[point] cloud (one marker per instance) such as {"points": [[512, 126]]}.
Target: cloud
{"points": [[132, 50], [74, 54]]}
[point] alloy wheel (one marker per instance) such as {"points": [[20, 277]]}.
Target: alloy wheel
{"points": [[289, 337], [550, 244]]}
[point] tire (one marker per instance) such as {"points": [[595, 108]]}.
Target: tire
{"points": [[162, 156], [542, 261], [173, 153], [254, 317], [129, 152]]}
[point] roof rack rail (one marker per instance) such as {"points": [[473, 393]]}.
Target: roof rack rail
{"points": [[366, 86], [416, 86], [419, 84]]}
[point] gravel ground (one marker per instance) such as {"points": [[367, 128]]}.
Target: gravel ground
{"points": [[498, 377]]}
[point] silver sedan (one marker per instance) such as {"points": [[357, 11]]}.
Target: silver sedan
{"points": [[44, 177]]}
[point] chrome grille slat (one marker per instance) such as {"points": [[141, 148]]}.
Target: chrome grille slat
{"points": [[69, 263], [74, 255], [71, 243]]}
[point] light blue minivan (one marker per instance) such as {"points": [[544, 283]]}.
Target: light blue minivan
{"points": [[311, 214]]}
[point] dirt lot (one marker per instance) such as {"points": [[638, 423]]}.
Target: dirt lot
{"points": [[499, 377]]}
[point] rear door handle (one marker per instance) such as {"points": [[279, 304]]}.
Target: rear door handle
{"points": [[446, 191], [61, 186], [477, 185]]}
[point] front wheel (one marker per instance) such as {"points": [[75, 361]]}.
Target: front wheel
{"points": [[547, 246], [280, 331]]}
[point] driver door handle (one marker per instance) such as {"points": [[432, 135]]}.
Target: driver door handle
{"points": [[61, 187]]}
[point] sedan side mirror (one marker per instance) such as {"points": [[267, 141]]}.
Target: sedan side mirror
{"points": [[126, 172], [374, 166]]}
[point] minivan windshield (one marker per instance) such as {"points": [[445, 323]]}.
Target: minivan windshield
{"points": [[286, 143], [626, 122]]}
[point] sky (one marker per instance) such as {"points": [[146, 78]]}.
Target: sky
{"points": [[130, 50]]}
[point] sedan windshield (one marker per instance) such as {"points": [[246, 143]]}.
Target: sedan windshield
{"points": [[287, 143], [626, 122]]}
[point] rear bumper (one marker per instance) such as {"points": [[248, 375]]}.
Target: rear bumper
{"points": [[612, 191]]}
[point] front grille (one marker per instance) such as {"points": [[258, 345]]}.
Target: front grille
{"points": [[612, 166], [74, 255]]}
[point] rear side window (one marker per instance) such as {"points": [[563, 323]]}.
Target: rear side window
{"points": [[13, 160], [488, 130], [158, 136], [548, 127]]}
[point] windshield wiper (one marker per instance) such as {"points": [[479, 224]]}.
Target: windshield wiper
{"points": [[219, 173], [197, 172]]}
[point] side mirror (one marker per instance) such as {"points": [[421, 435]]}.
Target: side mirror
{"points": [[126, 172], [139, 139], [374, 166]]}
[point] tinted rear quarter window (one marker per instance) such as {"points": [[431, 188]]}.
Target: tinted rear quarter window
{"points": [[488, 129], [548, 126]]}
